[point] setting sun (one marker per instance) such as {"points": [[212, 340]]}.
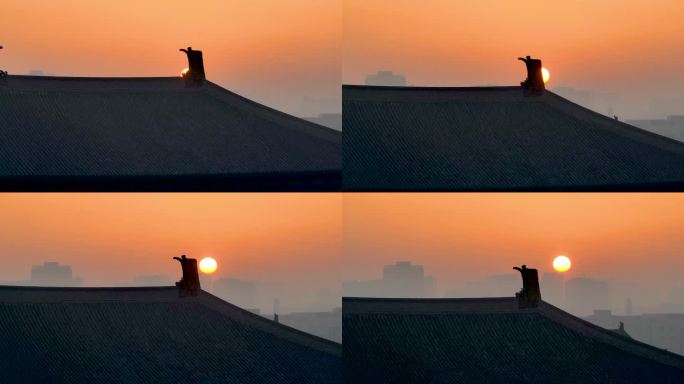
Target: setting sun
{"points": [[546, 75], [208, 265], [561, 263], [185, 72]]}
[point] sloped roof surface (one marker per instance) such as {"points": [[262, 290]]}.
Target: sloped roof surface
{"points": [[149, 335], [490, 341], [136, 127], [494, 138]]}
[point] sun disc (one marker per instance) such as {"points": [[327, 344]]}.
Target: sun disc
{"points": [[185, 72], [546, 75], [561, 263], [208, 265]]}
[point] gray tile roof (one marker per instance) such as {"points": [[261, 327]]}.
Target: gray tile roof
{"points": [[149, 335], [494, 138], [490, 340], [128, 129]]}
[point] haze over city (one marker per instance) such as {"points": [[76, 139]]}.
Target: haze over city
{"points": [[622, 57], [634, 242], [284, 243], [285, 54]]}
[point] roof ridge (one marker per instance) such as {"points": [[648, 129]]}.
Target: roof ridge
{"points": [[432, 87], [22, 294], [291, 334], [628, 131], [552, 99], [113, 288], [429, 299], [608, 336], [358, 305], [98, 78], [302, 125]]}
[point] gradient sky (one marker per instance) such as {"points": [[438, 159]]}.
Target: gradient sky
{"points": [[278, 52], [632, 48], [636, 238], [292, 239]]}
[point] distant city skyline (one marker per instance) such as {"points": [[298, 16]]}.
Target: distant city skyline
{"points": [[632, 242], [604, 303], [130, 239], [602, 47], [253, 295]]}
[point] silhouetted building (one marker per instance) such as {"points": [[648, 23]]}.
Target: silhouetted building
{"points": [[534, 83], [51, 273], [151, 335], [664, 330], [584, 295], [495, 139], [530, 294], [195, 75], [189, 284], [386, 78], [327, 325], [672, 126], [155, 134], [401, 279], [404, 279], [490, 340]]}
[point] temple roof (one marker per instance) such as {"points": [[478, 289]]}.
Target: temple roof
{"points": [[495, 139], [125, 133], [149, 334], [491, 340]]}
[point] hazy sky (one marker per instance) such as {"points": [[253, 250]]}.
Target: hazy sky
{"points": [[465, 237], [293, 239], [279, 52], [632, 48]]}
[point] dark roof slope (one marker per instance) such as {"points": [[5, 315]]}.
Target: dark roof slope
{"points": [[138, 129], [490, 341], [149, 335], [495, 139]]}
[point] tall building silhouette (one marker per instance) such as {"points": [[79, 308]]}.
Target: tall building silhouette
{"points": [[387, 78], [401, 279], [51, 273]]}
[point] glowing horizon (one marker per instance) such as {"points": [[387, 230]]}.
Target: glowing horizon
{"points": [[250, 235], [469, 236], [292, 58], [604, 47]]}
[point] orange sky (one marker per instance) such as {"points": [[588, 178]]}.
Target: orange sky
{"points": [[277, 51], [465, 237], [293, 239], [629, 47]]}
